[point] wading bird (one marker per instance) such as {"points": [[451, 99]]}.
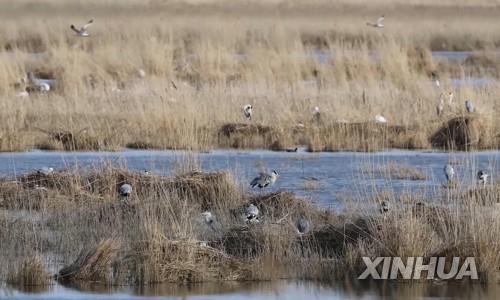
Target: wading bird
{"points": [[380, 119], [247, 111], [378, 24], [83, 32], [125, 190], [384, 206], [449, 172], [264, 179], [303, 226], [469, 106], [482, 177], [252, 214]]}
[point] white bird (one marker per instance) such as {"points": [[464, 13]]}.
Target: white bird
{"points": [[380, 119], [83, 32], [141, 73], [378, 24], [252, 213], [247, 110], [482, 177], [384, 206], [264, 179], [469, 106], [303, 226], [207, 217], [449, 172], [450, 98], [440, 107], [45, 170], [43, 85], [316, 114], [125, 190]]}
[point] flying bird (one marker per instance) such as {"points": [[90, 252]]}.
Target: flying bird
{"points": [[83, 32], [380, 119], [449, 172], [482, 177], [125, 190], [264, 179], [378, 24], [303, 226], [247, 110], [252, 214], [469, 106]]}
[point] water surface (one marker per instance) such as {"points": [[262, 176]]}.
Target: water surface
{"points": [[321, 177]]}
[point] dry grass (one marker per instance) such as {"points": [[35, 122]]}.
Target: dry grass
{"points": [[201, 69], [394, 170], [158, 234], [31, 272]]}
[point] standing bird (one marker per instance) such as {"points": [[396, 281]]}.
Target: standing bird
{"points": [[450, 98], [380, 119], [384, 206], [482, 177], [125, 190], [449, 172], [303, 226], [440, 107], [252, 214], [207, 217], [316, 114], [436, 79], [264, 179], [378, 24], [468, 106], [247, 110], [82, 31]]}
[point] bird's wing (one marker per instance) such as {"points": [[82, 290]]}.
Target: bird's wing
{"points": [[88, 24], [74, 28], [255, 181]]}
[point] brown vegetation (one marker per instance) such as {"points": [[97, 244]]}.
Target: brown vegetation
{"points": [[158, 234], [183, 83]]}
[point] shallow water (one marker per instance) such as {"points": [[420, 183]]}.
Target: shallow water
{"points": [[325, 178], [265, 290]]}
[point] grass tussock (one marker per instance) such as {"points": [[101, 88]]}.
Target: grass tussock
{"points": [[158, 233], [92, 264], [31, 272]]}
